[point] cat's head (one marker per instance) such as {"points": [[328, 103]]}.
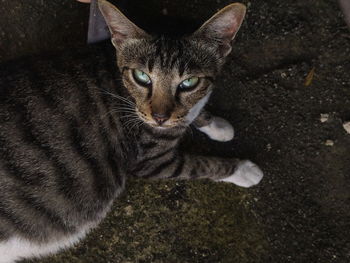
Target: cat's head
{"points": [[171, 79]]}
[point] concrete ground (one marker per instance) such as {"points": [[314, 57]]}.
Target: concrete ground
{"points": [[290, 64]]}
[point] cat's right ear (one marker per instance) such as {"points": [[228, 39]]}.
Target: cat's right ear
{"points": [[119, 25]]}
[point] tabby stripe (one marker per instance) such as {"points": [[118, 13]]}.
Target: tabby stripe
{"points": [[87, 105], [142, 163], [150, 64], [67, 183], [99, 78], [38, 81], [161, 167], [53, 218], [177, 172], [111, 157], [101, 185], [158, 44], [111, 154], [148, 145], [14, 220], [105, 135], [167, 137], [26, 177], [106, 103], [158, 155], [177, 55]]}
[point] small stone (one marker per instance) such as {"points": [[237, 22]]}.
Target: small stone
{"points": [[324, 117], [329, 143], [346, 126], [165, 11], [128, 210], [268, 147]]}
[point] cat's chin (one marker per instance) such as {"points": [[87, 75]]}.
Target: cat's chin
{"points": [[161, 127], [164, 127]]}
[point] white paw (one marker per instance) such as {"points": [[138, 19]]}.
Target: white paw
{"points": [[219, 130], [246, 174]]}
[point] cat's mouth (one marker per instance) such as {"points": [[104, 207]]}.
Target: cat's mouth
{"points": [[169, 124], [155, 123], [163, 126]]}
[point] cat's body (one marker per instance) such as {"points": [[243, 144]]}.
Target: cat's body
{"points": [[50, 115], [70, 134]]}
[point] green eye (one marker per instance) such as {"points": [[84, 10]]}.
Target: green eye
{"points": [[189, 83], [141, 77]]}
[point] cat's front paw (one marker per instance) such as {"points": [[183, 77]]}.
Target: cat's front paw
{"points": [[247, 174], [219, 130]]}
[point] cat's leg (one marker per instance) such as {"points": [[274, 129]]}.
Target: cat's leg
{"points": [[176, 166], [216, 128]]}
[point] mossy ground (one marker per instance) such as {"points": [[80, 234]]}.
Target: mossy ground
{"points": [[174, 222]]}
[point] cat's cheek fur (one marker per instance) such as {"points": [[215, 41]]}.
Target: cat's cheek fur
{"points": [[196, 109], [247, 174], [219, 130]]}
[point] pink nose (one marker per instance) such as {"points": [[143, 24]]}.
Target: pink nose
{"points": [[160, 118]]}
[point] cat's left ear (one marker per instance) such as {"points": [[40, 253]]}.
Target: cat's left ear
{"points": [[223, 26], [120, 26]]}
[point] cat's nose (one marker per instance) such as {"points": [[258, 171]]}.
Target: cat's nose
{"points": [[160, 118]]}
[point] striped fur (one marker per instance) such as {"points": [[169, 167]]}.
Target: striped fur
{"points": [[70, 133]]}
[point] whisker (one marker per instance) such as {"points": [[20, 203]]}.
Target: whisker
{"points": [[103, 91], [129, 121], [124, 108], [129, 116], [137, 125], [190, 130], [116, 111], [120, 98], [130, 124]]}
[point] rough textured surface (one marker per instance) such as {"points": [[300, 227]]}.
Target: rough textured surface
{"points": [[37, 25], [301, 210], [174, 222]]}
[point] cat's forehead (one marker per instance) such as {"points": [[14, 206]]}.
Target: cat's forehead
{"points": [[167, 55]]}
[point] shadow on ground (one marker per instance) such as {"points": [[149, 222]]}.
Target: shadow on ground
{"points": [[301, 210]]}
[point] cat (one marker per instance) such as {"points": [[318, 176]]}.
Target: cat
{"points": [[70, 133]]}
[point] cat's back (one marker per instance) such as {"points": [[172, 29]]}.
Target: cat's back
{"points": [[59, 169]]}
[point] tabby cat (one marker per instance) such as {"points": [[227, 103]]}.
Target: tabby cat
{"points": [[70, 134]]}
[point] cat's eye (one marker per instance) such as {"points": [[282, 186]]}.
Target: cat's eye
{"points": [[189, 84], [141, 77]]}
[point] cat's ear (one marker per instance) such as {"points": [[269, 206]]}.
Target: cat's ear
{"points": [[119, 25], [223, 26]]}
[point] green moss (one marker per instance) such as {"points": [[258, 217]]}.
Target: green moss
{"points": [[174, 222]]}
